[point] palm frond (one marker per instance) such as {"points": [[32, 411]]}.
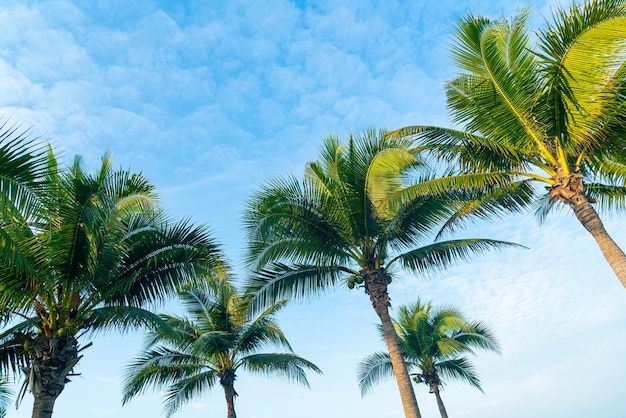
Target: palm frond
{"points": [[289, 220], [373, 370], [286, 365], [459, 369], [159, 367], [439, 256], [183, 391], [123, 319], [291, 282], [264, 330]]}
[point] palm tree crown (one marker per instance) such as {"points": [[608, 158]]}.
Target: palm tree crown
{"points": [[91, 253], [358, 214], [220, 337], [433, 342], [553, 114]]}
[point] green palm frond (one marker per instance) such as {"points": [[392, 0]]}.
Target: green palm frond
{"points": [[159, 367], [581, 51], [470, 151], [23, 162], [264, 330], [384, 178], [502, 48], [292, 282], [607, 197], [441, 255], [161, 258], [286, 365], [183, 391], [489, 203], [289, 219], [5, 397], [13, 351], [123, 319], [417, 222], [459, 369], [373, 370]]}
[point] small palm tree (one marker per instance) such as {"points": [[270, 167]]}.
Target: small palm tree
{"points": [[89, 253], [362, 211], [433, 342], [220, 337], [552, 115]]}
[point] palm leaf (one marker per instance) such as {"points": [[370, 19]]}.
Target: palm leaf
{"points": [[373, 370], [286, 365], [441, 255], [291, 282], [459, 369]]}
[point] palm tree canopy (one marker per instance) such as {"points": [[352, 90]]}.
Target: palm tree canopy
{"points": [[541, 111], [433, 339], [95, 253], [364, 205], [219, 336]]}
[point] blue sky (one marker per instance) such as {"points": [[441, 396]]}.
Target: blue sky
{"points": [[209, 99]]}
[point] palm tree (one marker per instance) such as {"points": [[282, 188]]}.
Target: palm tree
{"points": [[433, 342], [221, 337], [551, 114], [350, 221], [93, 255]]}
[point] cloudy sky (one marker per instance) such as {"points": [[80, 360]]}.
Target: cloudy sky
{"points": [[209, 99]]}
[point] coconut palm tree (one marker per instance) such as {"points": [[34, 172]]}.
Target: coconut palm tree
{"points": [[433, 342], [220, 337], [350, 221], [93, 255], [551, 113]]}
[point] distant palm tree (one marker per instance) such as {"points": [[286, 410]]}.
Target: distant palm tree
{"points": [[220, 337], [358, 214], [90, 254], [552, 114], [433, 342]]}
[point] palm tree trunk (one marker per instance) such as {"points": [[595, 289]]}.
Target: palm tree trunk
{"points": [[43, 406], [442, 408], [52, 359], [589, 218], [228, 383], [376, 287]]}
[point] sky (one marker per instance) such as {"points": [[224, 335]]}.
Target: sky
{"points": [[210, 99]]}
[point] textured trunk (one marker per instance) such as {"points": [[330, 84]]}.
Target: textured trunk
{"points": [[43, 406], [570, 189], [442, 408], [227, 380], [376, 286], [587, 216], [52, 360]]}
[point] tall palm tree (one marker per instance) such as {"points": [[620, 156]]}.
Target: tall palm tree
{"points": [[352, 220], [551, 114], [220, 337], [433, 342], [93, 255]]}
